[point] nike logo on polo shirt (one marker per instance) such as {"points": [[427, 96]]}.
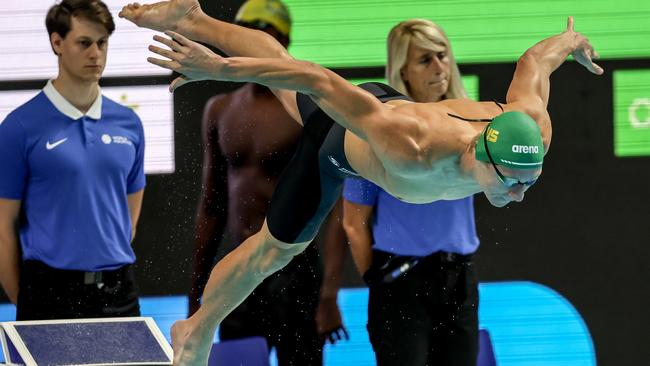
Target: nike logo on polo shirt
{"points": [[52, 146]]}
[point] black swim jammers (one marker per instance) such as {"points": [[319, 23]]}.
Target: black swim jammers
{"points": [[313, 180]]}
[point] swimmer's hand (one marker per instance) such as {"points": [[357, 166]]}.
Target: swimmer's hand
{"points": [[193, 61], [583, 51]]}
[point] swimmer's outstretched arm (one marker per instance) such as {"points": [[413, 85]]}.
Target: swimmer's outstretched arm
{"points": [[348, 105], [529, 89]]}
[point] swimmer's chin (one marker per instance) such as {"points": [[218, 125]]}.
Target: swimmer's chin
{"points": [[496, 202]]}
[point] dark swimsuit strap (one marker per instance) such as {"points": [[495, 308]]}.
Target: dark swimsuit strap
{"points": [[476, 119]]}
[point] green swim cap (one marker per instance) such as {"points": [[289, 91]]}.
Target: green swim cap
{"points": [[513, 140]]}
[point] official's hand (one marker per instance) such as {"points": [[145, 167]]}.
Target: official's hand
{"points": [[190, 59]]}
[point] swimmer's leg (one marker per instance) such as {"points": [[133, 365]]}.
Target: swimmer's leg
{"points": [[187, 18], [230, 282]]}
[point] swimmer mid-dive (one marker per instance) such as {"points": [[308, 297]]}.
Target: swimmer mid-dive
{"points": [[418, 152]]}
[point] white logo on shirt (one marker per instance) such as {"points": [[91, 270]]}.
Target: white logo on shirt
{"points": [[122, 140], [52, 146], [108, 139]]}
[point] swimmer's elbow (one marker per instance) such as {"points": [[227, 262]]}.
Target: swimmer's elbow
{"points": [[320, 81], [528, 57], [419, 152], [543, 120], [530, 60]]}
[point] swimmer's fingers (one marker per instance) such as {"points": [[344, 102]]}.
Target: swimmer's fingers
{"points": [[165, 64], [596, 69], [169, 42], [180, 43], [585, 54], [193, 60], [590, 65], [163, 52], [173, 66], [569, 24], [179, 38]]}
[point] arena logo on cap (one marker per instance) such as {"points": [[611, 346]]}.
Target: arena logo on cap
{"points": [[524, 149]]}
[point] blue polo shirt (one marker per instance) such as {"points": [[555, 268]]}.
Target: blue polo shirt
{"points": [[419, 230], [72, 173]]}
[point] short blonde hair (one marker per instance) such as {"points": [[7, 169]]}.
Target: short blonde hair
{"points": [[423, 33]]}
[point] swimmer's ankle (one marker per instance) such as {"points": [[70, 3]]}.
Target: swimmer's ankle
{"points": [[191, 20], [202, 324]]}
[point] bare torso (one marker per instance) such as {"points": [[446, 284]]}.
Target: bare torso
{"points": [[443, 140], [256, 139]]}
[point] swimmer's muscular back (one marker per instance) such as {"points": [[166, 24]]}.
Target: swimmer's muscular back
{"points": [[250, 139], [441, 139]]}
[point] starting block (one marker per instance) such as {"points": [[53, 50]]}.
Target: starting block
{"points": [[85, 342]]}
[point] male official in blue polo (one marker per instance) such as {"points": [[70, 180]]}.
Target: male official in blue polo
{"points": [[71, 182]]}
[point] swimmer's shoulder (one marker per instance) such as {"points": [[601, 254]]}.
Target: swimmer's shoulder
{"points": [[398, 102]]}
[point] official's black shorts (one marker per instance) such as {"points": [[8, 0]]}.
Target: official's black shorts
{"points": [[47, 293]]}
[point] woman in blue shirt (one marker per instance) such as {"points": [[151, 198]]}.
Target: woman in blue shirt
{"points": [[423, 305]]}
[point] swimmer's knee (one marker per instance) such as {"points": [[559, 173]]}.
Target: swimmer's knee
{"points": [[275, 254]]}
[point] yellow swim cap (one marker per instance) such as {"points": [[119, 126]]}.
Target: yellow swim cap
{"points": [[273, 12]]}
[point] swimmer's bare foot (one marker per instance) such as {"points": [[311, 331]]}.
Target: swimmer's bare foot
{"points": [[165, 15], [190, 347]]}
